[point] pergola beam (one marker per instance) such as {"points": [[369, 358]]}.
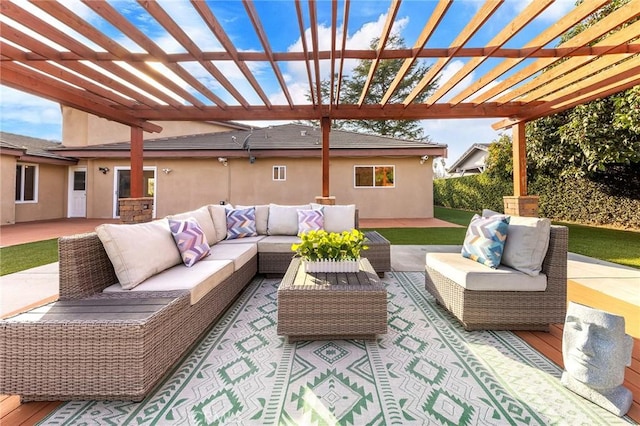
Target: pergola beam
{"points": [[119, 83], [509, 31], [56, 91], [264, 40], [382, 41], [469, 30], [435, 18], [310, 112], [554, 31]]}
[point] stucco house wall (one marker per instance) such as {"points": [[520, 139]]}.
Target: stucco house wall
{"points": [[52, 196], [194, 182], [8, 187]]}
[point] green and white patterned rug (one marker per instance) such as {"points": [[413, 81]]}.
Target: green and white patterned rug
{"points": [[425, 370]]}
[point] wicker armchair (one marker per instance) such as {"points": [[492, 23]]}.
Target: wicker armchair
{"points": [[510, 310]]}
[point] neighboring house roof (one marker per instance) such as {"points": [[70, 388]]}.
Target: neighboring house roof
{"points": [[32, 149], [460, 165], [277, 139]]}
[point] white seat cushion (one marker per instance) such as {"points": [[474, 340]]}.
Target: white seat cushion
{"points": [[278, 244], [198, 279], [475, 276], [245, 240], [239, 254]]}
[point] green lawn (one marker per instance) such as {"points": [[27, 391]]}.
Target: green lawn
{"points": [[25, 256], [613, 245]]}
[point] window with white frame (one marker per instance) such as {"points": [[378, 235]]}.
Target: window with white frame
{"points": [[279, 172], [374, 176], [26, 183]]}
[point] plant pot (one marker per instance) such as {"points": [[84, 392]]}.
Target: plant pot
{"points": [[331, 266]]}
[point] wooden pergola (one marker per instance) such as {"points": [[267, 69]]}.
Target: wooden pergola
{"points": [[95, 73]]}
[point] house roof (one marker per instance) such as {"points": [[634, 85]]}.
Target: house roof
{"points": [[464, 157], [284, 139], [32, 148], [70, 55]]}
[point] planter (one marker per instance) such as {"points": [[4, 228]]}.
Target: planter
{"points": [[331, 266]]}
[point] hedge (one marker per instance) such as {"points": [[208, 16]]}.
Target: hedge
{"points": [[573, 200]]}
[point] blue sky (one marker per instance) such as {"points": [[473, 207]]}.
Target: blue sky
{"points": [[28, 115]]}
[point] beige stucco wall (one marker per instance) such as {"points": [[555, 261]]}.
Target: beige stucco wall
{"points": [[8, 188], [82, 129], [52, 195], [196, 182]]}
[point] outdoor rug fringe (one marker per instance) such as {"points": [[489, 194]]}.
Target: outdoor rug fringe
{"points": [[425, 370]]}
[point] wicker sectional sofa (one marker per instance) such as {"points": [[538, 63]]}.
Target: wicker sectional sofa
{"points": [[99, 341]]}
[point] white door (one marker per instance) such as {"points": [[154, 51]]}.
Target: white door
{"points": [[77, 192]]}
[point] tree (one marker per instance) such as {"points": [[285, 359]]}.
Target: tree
{"points": [[589, 139], [385, 73]]}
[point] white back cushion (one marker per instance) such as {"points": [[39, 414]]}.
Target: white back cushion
{"points": [[262, 217], [527, 242], [219, 219], [203, 217], [338, 218], [139, 251], [283, 220]]}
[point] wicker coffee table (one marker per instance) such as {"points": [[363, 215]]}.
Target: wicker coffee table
{"points": [[331, 306]]}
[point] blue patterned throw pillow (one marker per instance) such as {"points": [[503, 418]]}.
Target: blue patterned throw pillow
{"points": [[485, 239], [190, 239], [241, 223]]}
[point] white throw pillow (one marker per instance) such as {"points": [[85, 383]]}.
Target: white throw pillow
{"points": [[283, 220], [527, 243], [219, 217], [262, 217], [203, 217], [139, 251], [338, 218]]}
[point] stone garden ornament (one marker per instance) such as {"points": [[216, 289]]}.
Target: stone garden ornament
{"points": [[596, 350]]}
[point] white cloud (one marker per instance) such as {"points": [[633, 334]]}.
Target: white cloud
{"points": [[361, 39], [29, 115], [554, 12]]}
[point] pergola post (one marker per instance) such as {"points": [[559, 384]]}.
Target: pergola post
{"points": [[137, 208], [325, 198], [520, 204]]}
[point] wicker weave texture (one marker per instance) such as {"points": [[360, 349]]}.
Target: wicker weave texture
{"points": [[85, 268], [378, 253], [115, 359], [331, 306], [510, 310]]}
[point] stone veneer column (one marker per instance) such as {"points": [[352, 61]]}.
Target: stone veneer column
{"points": [[136, 210], [327, 201], [523, 205]]}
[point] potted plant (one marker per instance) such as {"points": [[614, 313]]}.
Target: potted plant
{"points": [[323, 251]]}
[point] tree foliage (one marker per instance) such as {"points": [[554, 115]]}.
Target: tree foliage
{"points": [[592, 138], [353, 85]]}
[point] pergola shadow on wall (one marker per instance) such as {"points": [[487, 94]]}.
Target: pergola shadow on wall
{"points": [[55, 52]]}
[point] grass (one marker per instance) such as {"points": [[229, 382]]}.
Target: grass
{"points": [[26, 256], [612, 245]]}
